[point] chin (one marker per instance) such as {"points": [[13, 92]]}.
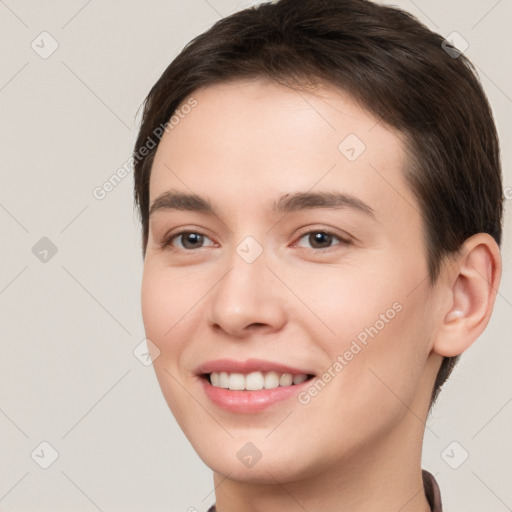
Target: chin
{"points": [[261, 473], [241, 460]]}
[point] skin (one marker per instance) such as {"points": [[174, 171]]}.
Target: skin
{"points": [[244, 145]]}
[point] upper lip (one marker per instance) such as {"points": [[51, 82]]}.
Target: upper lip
{"points": [[248, 366]]}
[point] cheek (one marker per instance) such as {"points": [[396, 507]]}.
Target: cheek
{"points": [[345, 301], [372, 389], [164, 304], [155, 304], [388, 352], [373, 326], [165, 294]]}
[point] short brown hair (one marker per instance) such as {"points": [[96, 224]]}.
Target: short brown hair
{"points": [[389, 62]]}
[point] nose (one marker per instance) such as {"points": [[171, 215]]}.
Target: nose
{"points": [[247, 299]]}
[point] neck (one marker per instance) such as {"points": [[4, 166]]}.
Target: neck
{"points": [[384, 477]]}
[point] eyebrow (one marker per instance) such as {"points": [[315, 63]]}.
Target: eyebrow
{"points": [[297, 201]]}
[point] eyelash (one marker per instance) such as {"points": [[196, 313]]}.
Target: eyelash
{"points": [[168, 240]]}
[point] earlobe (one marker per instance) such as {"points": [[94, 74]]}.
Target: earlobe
{"points": [[470, 284]]}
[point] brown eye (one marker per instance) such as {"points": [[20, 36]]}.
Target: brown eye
{"points": [[188, 240], [321, 239], [191, 240]]}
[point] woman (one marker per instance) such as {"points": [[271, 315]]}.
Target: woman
{"points": [[318, 248]]}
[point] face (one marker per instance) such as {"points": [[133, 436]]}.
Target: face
{"points": [[300, 256]]}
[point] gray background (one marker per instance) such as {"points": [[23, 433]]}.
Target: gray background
{"points": [[69, 324]]}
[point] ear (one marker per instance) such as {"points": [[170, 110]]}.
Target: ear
{"points": [[471, 284]]}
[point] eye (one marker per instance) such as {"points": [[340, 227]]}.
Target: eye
{"points": [[321, 239], [189, 240]]}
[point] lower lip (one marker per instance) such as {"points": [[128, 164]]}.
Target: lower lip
{"points": [[250, 401]]}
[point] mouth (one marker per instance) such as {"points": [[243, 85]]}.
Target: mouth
{"points": [[250, 386], [254, 381]]}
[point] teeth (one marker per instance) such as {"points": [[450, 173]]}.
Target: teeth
{"points": [[254, 381], [223, 380], [286, 379], [299, 379], [215, 379], [237, 381], [271, 380]]}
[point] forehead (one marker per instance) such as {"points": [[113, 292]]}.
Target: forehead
{"points": [[255, 139]]}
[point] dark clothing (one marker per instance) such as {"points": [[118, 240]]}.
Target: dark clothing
{"points": [[431, 492]]}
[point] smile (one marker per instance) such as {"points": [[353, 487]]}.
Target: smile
{"points": [[250, 386], [254, 381]]}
